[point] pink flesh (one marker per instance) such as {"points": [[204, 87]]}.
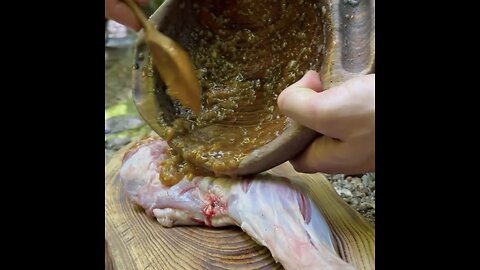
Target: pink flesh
{"points": [[268, 208]]}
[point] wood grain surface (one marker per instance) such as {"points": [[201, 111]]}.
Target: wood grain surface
{"points": [[134, 240]]}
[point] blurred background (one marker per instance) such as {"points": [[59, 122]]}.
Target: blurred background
{"points": [[122, 122]]}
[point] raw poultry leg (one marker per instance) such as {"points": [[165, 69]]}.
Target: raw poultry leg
{"points": [[268, 208]]}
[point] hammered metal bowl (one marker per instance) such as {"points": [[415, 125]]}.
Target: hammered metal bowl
{"points": [[246, 53]]}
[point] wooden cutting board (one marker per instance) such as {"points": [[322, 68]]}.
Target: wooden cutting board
{"points": [[134, 240]]}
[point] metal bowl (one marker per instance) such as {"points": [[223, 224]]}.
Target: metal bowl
{"points": [[270, 44]]}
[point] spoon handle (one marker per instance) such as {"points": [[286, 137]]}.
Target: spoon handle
{"points": [[139, 14]]}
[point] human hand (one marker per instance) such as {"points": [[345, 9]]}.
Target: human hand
{"points": [[344, 114], [118, 11]]}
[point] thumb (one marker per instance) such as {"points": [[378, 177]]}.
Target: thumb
{"points": [[305, 102], [335, 112], [329, 155]]}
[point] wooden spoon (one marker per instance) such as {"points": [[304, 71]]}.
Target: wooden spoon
{"points": [[171, 62]]}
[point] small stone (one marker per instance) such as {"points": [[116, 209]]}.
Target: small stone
{"points": [[344, 192], [356, 182], [121, 123]]}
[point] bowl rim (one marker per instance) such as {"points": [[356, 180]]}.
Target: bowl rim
{"points": [[296, 137]]}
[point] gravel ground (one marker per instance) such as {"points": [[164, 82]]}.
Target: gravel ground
{"points": [[357, 190]]}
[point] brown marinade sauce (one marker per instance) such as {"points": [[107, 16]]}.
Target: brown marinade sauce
{"points": [[246, 52]]}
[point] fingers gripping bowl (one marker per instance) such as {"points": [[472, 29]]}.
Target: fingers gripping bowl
{"points": [[245, 53]]}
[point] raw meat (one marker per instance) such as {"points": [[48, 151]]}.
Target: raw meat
{"points": [[268, 208]]}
